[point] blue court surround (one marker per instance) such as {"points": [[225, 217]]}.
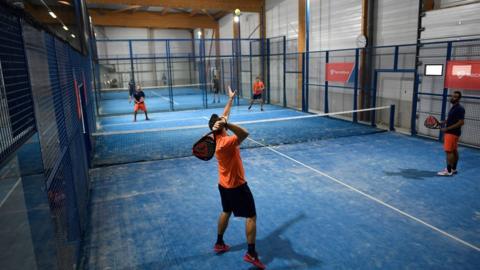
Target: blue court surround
{"points": [[163, 214]]}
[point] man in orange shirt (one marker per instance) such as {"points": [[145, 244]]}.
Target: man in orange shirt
{"points": [[234, 192], [258, 88]]}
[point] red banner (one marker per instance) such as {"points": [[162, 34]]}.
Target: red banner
{"points": [[338, 72], [463, 75]]}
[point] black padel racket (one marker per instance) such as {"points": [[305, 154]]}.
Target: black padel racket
{"points": [[204, 148]]}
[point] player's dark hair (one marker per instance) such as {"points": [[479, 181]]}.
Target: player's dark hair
{"points": [[459, 94], [213, 119]]}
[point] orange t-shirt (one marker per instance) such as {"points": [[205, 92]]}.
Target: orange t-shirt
{"points": [[257, 88], [230, 167]]}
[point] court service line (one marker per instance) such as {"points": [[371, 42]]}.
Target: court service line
{"points": [[371, 197], [10, 192], [175, 119], [107, 133], [164, 98]]}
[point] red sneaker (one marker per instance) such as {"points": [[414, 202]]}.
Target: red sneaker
{"points": [[254, 260], [221, 248]]}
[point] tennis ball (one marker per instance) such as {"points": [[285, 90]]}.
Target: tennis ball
{"points": [[237, 12]]}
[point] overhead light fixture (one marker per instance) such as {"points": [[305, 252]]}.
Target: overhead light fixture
{"points": [[65, 3], [236, 19], [65, 27], [72, 35], [52, 14], [199, 33]]}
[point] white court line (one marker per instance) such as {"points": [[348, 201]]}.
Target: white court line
{"points": [[177, 119], [372, 198], [151, 121], [200, 126], [10, 192], [164, 98]]}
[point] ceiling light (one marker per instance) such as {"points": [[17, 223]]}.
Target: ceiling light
{"points": [[72, 35], [65, 3], [52, 14], [65, 27]]}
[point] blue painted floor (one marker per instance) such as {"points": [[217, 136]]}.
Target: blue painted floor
{"points": [[158, 103], [354, 202]]}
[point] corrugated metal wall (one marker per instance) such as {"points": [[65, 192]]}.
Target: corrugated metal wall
{"points": [[395, 23], [282, 18], [148, 72], [335, 24], [451, 22]]}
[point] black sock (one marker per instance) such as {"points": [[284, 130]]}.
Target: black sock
{"points": [[251, 250], [220, 239], [449, 168], [454, 167]]}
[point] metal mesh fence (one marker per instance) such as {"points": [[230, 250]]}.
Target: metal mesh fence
{"points": [[54, 101], [433, 97]]}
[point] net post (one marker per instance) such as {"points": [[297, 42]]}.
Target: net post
{"points": [[445, 92], [327, 54], [284, 71], [132, 70], [304, 109], [355, 88], [374, 98], [392, 118], [250, 62], [268, 71]]}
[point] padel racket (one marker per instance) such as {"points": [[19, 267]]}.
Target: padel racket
{"points": [[204, 148], [432, 122]]}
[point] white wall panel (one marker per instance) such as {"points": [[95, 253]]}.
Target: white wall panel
{"points": [[282, 18], [226, 31], [451, 3], [395, 22], [334, 24], [249, 25], [452, 22]]}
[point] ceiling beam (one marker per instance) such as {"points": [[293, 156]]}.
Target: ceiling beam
{"points": [[208, 14], [164, 11], [193, 12], [152, 20], [125, 9], [231, 5]]}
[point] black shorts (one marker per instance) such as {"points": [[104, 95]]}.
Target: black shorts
{"points": [[238, 200], [258, 96]]}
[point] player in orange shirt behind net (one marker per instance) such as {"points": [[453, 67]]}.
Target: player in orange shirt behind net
{"points": [[258, 88], [235, 194]]}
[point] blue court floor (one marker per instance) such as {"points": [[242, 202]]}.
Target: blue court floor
{"points": [[356, 202], [158, 102]]}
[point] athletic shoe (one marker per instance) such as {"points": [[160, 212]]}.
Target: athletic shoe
{"points": [[445, 173], [221, 248], [254, 260], [454, 171], [261, 109]]}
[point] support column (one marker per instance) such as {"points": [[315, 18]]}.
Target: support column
{"points": [[300, 49]]}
